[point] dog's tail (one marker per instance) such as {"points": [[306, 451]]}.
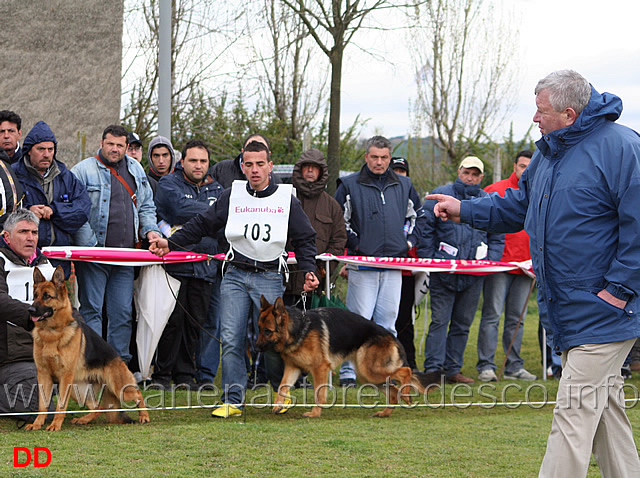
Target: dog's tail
{"points": [[425, 381]]}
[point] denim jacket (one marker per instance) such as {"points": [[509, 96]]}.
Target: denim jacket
{"points": [[97, 179]]}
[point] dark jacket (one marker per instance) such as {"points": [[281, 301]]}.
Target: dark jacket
{"points": [[16, 343], [376, 208], [214, 220], [177, 201], [578, 201], [438, 238], [324, 213], [70, 202], [11, 193]]}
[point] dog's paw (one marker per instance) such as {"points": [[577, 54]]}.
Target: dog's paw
{"points": [[54, 427], [143, 419], [311, 414], [32, 426], [384, 413]]}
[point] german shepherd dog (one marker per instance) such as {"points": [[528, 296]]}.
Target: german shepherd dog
{"points": [[323, 338], [66, 350]]}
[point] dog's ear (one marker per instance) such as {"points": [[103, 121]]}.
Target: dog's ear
{"points": [[264, 303], [278, 306], [280, 312], [37, 276], [58, 276]]}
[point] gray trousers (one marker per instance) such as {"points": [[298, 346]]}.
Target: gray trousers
{"points": [[19, 389]]}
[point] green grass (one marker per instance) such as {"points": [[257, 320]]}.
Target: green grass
{"points": [[438, 442]]}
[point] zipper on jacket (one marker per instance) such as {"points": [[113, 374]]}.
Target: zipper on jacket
{"points": [[382, 197]]}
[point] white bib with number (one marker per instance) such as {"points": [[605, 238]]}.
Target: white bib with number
{"points": [[257, 227], [20, 279]]}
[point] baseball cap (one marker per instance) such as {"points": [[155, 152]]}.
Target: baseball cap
{"points": [[133, 138], [400, 163], [472, 162]]}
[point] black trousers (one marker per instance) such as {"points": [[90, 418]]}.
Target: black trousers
{"points": [[177, 347], [404, 322]]}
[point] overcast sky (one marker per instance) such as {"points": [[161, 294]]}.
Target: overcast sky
{"points": [[600, 40]]}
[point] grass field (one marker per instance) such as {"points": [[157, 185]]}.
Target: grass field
{"points": [[449, 439]]}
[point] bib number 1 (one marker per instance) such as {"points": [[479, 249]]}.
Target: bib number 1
{"points": [[257, 232]]}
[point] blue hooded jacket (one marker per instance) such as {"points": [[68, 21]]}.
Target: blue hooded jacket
{"points": [[70, 204], [579, 201]]}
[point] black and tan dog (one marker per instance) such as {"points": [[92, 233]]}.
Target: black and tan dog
{"points": [[323, 338], [67, 351]]}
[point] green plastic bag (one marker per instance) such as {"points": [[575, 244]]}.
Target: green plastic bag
{"points": [[321, 300]]}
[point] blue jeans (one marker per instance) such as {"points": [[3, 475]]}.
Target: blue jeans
{"points": [[452, 310], [208, 352], [239, 291], [511, 292], [101, 284], [375, 295]]}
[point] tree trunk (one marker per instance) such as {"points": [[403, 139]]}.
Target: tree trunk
{"points": [[333, 148]]}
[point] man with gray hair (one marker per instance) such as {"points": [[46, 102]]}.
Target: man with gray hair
{"points": [[378, 209], [578, 201], [18, 256]]}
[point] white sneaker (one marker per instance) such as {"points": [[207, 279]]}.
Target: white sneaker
{"points": [[487, 375], [521, 374]]}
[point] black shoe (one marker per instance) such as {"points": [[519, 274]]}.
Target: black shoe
{"points": [[185, 382], [347, 382], [625, 372], [157, 384]]}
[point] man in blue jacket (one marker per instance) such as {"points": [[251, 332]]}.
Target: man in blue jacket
{"points": [[180, 196], [454, 297], [578, 201], [378, 204], [51, 191]]}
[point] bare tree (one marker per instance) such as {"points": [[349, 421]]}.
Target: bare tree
{"points": [[464, 72], [291, 87], [202, 32], [333, 24]]}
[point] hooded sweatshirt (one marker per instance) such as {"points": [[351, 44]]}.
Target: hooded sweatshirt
{"points": [[160, 141], [324, 212], [40, 133]]}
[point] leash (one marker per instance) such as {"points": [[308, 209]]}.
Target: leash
{"points": [[191, 318]]}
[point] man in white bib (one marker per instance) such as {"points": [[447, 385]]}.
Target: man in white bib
{"points": [[18, 256], [257, 217]]}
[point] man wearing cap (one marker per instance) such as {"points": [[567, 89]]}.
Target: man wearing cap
{"points": [[52, 192], [134, 148], [454, 297]]}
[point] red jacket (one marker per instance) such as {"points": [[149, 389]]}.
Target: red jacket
{"points": [[516, 245]]}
